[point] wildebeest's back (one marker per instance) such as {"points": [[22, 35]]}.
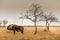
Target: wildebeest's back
{"points": [[19, 28]]}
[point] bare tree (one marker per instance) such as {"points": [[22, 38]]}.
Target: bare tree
{"points": [[5, 22], [49, 18], [33, 14]]}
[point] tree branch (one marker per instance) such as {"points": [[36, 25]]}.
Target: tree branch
{"points": [[30, 19]]}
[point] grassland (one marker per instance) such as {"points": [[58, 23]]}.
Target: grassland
{"points": [[54, 34]]}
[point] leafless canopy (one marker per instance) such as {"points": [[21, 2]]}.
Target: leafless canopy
{"points": [[34, 13], [5, 22]]}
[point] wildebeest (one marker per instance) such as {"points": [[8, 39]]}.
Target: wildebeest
{"points": [[15, 28]]}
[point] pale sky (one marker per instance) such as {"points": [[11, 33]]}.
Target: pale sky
{"points": [[12, 9]]}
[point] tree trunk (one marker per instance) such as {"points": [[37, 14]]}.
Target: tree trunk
{"points": [[35, 28], [47, 25], [35, 20]]}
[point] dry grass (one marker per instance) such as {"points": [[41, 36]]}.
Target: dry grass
{"points": [[54, 34]]}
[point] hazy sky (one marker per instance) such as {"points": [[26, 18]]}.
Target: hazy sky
{"points": [[12, 9], [15, 5]]}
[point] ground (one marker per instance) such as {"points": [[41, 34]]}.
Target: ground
{"points": [[53, 34]]}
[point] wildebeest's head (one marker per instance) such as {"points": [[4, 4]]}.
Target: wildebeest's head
{"points": [[10, 27]]}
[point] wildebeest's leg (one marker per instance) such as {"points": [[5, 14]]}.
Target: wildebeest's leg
{"points": [[14, 31], [22, 31]]}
